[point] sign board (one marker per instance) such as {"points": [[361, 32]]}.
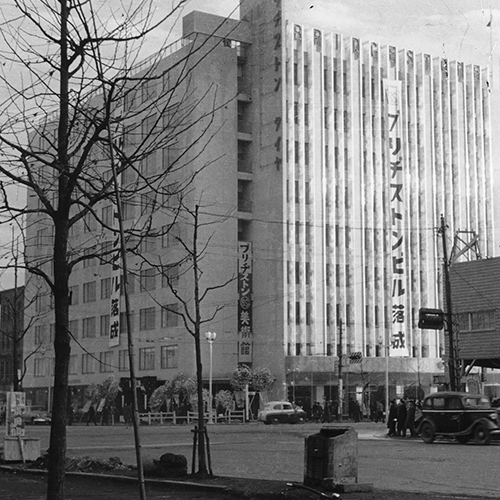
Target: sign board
{"points": [[16, 406]]}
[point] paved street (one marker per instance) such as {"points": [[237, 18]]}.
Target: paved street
{"points": [[277, 452]]}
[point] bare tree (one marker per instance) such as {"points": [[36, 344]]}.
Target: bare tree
{"points": [[198, 302], [82, 117]]}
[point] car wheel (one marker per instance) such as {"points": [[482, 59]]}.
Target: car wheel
{"points": [[427, 433], [301, 420], [482, 434], [275, 420], [462, 439]]}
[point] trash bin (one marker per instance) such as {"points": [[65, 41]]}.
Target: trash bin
{"points": [[332, 453]]}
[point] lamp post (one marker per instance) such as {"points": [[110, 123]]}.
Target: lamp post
{"points": [[210, 336]]}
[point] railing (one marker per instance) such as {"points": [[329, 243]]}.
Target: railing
{"points": [[152, 418]]}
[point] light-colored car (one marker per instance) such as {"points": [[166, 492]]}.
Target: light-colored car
{"points": [[282, 412], [36, 416]]}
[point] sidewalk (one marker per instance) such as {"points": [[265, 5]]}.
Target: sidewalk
{"points": [[32, 486]]}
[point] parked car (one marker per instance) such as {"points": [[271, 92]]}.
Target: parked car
{"points": [[459, 415], [282, 412], [36, 416]]}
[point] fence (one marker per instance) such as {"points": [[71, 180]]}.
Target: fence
{"points": [[161, 418]]}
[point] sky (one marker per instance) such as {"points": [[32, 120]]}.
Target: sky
{"points": [[463, 30]]}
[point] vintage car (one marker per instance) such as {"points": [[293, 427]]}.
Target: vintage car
{"points": [[36, 416], [282, 412], [459, 415]]}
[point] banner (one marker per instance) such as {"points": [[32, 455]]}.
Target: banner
{"points": [[16, 406], [396, 174], [245, 333], [114, 309]]}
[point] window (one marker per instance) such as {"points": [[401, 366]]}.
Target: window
{"points": [[148, 90], [105, 288], [148, 244], [39, 334], [40, 367], [89, 223], [170, 235], [148, 202], [107, 215], [89, 292], [88, 328], [87, 363], [123, 360], [147, 358], [41, 237], [169, 316], [89, 253], [128, 210], [104, 330], [148, 279], [147, 318], [73, 328], [308, 313], [105, 361], [169, 356], [170, 274], [73, 362], [73, 295]]}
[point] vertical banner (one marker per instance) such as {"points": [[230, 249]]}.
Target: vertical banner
{"points": [[16, 406], [245, 334], [396, 170], [114, 309]]}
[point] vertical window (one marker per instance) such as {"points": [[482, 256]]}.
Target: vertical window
{"points": [[105, 361], [170, 275], [89, 292], [169, 316], [308, 313], [147, 358], [123, 360], [87, 363], [147, 319], [73, 364], [107, 215], [105, 288], [73, 295], [88, 328], [148, 279], [73, 328], [169, 356], [297, 313], [104, 325]]}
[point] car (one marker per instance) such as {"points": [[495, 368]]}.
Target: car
{"points": [[459, 415], [282, 412], [36, 416]]}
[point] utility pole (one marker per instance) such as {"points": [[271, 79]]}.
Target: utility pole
{"points": [[452, 371], [340, 386]]}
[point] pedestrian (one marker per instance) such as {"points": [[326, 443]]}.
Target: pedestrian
{"points": [[392, 419], [105, 416], [401, 418], [410, 418], [356, 411], [327, 413], [91, 416], [380, 411]]}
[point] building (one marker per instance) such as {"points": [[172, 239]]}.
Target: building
{"points": [[334, 158], [475, 305]]}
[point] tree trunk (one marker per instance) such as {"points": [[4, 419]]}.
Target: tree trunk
{"points": [[202, 462]]}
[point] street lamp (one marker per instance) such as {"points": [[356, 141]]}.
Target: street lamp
{"points": [[210, 336]]}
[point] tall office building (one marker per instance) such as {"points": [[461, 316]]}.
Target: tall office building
{"points": [[333, 159]]}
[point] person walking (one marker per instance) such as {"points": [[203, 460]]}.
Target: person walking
{"points": [[401, 418], [410, 418], [392, 418], [91, 416]]}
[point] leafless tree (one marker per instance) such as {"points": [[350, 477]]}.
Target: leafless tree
{"points": [[81, 115]]}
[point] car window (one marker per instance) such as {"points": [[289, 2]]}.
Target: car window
{"points": [[287, 406], [453, 404], [277, 407], [475, 401], [438, 403]]}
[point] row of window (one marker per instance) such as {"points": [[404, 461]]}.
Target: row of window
{"points": [[106, 362], [307, 349], [94, 326]]}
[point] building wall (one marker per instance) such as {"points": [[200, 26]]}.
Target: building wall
{"points": [[298, 164]]}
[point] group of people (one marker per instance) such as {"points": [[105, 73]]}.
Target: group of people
{"points": [[327, 413], [404, 416], [104, 416]]}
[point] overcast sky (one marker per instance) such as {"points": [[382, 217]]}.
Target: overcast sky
{"points": [[464, 30]]}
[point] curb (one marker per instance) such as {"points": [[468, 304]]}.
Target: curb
{"points": [[116, 477]]}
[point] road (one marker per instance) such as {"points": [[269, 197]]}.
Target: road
{"points": [[277, 452]]}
